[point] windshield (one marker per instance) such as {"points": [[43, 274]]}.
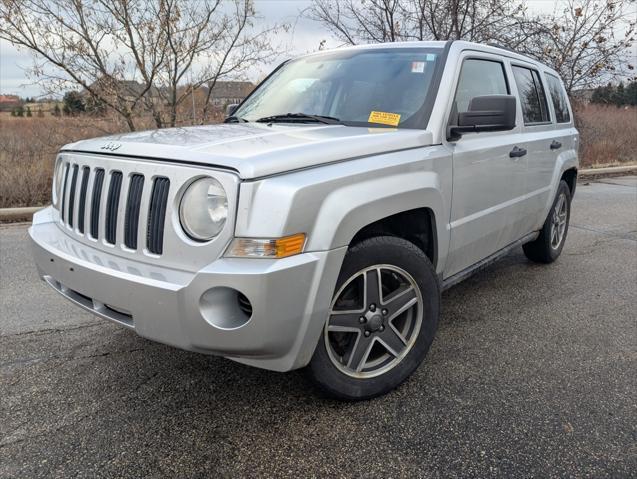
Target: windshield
{"points": [[358, 87]]}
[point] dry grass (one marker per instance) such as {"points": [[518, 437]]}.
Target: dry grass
{"points": [[28, 147], [27, 153], [608, 135]]}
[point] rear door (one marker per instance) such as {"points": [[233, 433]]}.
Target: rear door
{"points": [[539, 141], [564, 138], [488, 183]]}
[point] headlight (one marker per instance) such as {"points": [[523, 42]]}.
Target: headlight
{"points": [[58, 174], [204, 209]]}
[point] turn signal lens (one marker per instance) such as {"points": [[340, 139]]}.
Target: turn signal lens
{"points": [[266, 248]]}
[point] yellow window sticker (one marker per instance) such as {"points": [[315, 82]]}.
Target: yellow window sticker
{"points": [[384, 118]]}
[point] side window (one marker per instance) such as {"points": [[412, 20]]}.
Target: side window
{"points": [[532, 96], [478, 78], [558, 96]]}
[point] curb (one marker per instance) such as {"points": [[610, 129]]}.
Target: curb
{"points": [[612, 170], [10, 215]]}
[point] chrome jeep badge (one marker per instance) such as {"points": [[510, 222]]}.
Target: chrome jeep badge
{"points": [[111, 146]]}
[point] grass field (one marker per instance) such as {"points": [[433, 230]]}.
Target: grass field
{"points": [[608, 135], [28, 147]]}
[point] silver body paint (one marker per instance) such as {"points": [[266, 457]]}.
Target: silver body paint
{"points": [[327, 181]]}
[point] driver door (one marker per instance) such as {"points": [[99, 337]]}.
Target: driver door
{"points": [[488, 183]]}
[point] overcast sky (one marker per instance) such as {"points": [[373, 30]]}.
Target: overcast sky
{"points": [[305, 36]]}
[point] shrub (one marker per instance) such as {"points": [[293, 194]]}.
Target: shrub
{"points": [[608, 134], [28, 146]]}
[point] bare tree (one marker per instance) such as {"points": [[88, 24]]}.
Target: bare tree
{"points": [[365, 21], [473, 20], [586, 41], [133, 55]]}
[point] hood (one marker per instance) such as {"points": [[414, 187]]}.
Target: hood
{"points": [[255, 150]]}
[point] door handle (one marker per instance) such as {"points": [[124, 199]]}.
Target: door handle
{"points": [[517, 152], [555, 145]]}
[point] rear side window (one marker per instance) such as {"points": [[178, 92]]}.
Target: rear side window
{"points": [[532, 96], [479, 78], [558, 96]]}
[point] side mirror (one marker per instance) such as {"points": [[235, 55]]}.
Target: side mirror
{"points": [[230, 109], [486, 113]]}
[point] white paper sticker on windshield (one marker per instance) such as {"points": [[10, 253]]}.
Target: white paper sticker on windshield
{"points": [[417, 67]]}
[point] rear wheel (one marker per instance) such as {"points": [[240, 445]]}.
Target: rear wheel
{"points": [[382, 320], [548, 246]]}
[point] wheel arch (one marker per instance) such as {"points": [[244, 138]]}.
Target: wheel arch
{"points": [[407, 205], [418, 226], [570, 177]]}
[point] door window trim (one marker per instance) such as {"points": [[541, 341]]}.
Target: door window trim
{"points": [[474, 55], [563, 92], [551, 120]]}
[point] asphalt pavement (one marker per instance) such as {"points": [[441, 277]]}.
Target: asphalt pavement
{"points": [[532, 374]]}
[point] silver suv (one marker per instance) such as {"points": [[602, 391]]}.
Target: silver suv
{"points": [[318, 225]]}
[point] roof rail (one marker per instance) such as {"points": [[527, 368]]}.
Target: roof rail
{"points": [[498, 45], [508, 49]]}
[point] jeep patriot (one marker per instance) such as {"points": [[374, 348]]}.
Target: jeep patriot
{"points": [[317, 226]]}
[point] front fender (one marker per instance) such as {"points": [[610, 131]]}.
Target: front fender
{"points": [[332, 203], [345, 211]]}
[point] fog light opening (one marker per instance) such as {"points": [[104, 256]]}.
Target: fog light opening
{"points": [[225, 308]]}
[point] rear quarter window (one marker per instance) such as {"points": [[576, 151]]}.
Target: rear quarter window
{"points": [[559, 99], [532, 95]]}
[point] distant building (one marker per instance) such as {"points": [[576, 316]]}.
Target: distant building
{"points": [[129, 90], [223, 93], [229, 92], [9, 102]]}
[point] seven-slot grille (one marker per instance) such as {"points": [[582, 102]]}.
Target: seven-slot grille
{"points": [[100, 194]]}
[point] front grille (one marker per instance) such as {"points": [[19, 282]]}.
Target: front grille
{"points": [[112, 206], [66, 178], [87, 196], [96, 202], [72, 195], [158, 201], [132, 210], [86, 171]]}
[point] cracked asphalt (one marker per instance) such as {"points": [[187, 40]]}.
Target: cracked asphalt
{"points": [[532, 374]]}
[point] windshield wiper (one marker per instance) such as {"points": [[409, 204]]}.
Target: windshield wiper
{"points": [[235, 119], [300, 118]]}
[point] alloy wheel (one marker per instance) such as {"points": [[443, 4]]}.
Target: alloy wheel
{"points": [[558, 221], [374, 321]]}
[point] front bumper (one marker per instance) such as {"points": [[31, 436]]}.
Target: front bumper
{"points": [[198, 311]]}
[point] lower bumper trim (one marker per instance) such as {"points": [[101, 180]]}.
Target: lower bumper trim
{"points": [[99, 309]]}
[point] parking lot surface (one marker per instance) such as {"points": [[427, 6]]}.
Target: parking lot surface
{"points": [[532, 373]]}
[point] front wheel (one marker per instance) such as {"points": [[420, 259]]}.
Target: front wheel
{"points": [[548, 245], [382, 320]]}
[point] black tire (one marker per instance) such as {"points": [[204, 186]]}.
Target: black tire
{"points": [[403, 255], [542, 250]]}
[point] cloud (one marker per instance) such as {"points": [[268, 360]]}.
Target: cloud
{"points": [[13, 79], [303, 37]]}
